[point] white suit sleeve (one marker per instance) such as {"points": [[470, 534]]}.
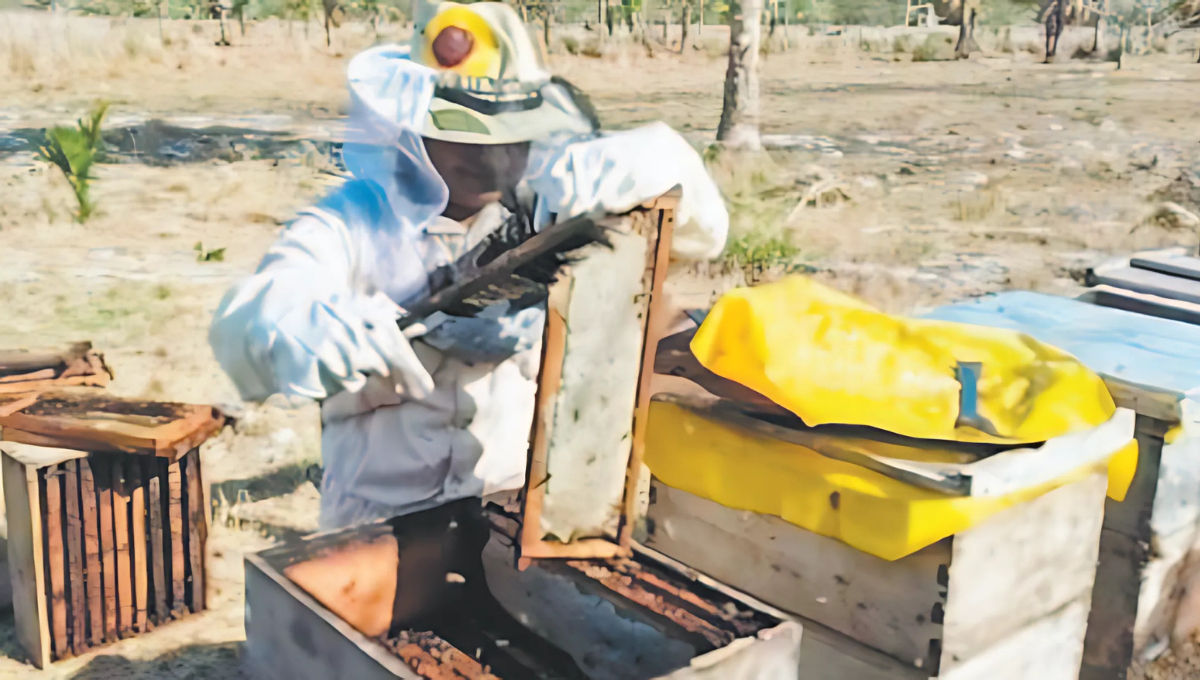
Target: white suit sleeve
{"points": [[298, 327], [618, 171]]}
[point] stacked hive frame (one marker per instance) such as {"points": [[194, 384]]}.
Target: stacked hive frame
{"points": [[106, 540]]}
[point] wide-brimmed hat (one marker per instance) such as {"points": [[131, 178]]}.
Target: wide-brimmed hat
{"points": [[492, 87]]}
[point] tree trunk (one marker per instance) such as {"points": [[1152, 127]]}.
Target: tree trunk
{"points": [[685, 23], [700, 26], [547, 20], [1121, 46], [966, 34], [740, 112], [1099, 30], [161, 39]]}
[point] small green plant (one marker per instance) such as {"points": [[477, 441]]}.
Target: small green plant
{"points": [[214, 255], [74, 151], [758, 250]]}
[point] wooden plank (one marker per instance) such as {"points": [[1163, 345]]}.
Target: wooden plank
{"points": [[549, 381], [175, 511], [885, 605], [120, 510], [159, 540], [1146, 281], [197, 522], [1021, 565], [75, 558], [1124, 552], [1182, 266], [1047, 649], [93, 580], [138, 542], [26, 559], [56, 558], [102, 472], [16, 362], [1108, 644], [660, 227], [1140, 303]]}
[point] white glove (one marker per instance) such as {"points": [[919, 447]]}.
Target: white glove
{"points": [[365, 340]]}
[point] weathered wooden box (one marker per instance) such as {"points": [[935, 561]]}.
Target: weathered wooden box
{"points": [[1144, 346], [628, 619], [107, 518], [1008, 598]]}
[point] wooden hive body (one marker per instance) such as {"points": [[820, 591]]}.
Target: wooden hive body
{"points": [[106, 538]]}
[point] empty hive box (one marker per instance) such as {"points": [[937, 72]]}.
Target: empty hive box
{"points": [[107, 517], [618, 619]]}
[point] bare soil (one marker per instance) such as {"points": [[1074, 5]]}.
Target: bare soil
{"points": [[910, 184]]}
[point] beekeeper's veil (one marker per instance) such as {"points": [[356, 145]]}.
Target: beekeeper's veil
{"points": [[481, 83]]}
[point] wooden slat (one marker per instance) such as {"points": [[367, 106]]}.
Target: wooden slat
{"points": [[120, 497], [102, 471], [1173, 265], [550, 378], [659, 260], [94, 579], [56, 560], [1141, 303], [1146, 281], [158, 555], [77, 612], [26, 559], [137, 543], [197, 530], [178, 558], [13, 362]]}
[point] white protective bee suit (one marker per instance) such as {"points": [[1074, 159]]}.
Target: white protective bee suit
{"points": [[317, 319]]}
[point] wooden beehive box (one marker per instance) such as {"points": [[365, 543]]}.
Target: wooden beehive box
{"points": [[637, 618], [107, 517], [1143, 346]]}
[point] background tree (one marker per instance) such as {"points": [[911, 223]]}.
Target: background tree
{"points": [[740, 112]]}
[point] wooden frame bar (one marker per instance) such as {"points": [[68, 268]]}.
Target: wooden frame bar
{"points": [[533, 543]]}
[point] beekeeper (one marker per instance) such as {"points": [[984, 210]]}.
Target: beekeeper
{"points": [[447, 136]]}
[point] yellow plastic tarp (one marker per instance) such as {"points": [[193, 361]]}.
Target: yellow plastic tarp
{"points": [[876, 514], [831, 358]]}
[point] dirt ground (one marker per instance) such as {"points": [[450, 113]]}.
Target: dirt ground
{"points": [[910, 184]]}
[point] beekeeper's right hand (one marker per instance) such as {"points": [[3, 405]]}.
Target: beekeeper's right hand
{"points": [[302, 326], [367, 341]]}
